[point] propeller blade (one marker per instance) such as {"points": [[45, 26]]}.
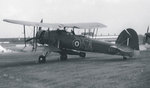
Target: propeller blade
{"points": [[41, 22], [29, 39], [146, 38], [147, 29]]}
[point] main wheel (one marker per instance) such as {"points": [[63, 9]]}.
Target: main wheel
{"points": [[124, 58], [42, 59], [82, 54], [63, 57]]}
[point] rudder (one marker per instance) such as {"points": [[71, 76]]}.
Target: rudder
{"points": [[128, 38]]}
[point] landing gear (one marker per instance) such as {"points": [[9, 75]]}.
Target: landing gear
{"points": [[124, 58], [63, 57], [42, 59], [82, 54]]}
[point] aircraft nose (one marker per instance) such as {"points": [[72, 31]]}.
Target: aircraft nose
{"points": [[145, 33], [40, 36]]}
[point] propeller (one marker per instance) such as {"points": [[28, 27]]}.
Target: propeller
{"points": [[147, 29], [38, 37], [147, 34], [41, 22]]}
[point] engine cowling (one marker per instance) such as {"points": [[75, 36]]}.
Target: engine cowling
{"points": [[40, 36]]}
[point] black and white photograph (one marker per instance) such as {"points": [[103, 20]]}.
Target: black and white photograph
{"points": [[74, 44]]}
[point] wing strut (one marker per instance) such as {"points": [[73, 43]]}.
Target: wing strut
{"points": [[24, 35], [93, 33], [96, 33], [34, 40]]}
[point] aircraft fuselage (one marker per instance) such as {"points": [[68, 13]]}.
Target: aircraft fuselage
{"points": [[66, 40]]}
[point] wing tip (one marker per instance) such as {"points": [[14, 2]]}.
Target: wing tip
{"points": [[6, 20]]}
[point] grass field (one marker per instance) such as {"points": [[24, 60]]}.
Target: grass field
{"points": [[21, 70]]}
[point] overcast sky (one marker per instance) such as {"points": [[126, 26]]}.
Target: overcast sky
{"points": [[116, 14]]}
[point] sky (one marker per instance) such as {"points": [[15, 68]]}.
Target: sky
{"points": [[116, 14]]}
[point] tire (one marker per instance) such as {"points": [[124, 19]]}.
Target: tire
{"points": [[125, 58], [82, 54], [63, 57], [42, 59]]}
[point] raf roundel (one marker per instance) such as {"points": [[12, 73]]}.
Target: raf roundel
{"points": [[76, 43]]}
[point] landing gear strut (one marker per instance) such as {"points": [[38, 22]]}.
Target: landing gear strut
{"points": [[63, 57], [82, 54], [42, 58], [124, 58]]}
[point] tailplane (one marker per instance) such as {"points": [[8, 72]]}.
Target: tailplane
{"points": [[128, 38]]}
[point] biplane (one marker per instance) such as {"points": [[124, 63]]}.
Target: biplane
{"points": [[57, 39]]}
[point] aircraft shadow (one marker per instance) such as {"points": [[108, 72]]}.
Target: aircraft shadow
{"points": [[25, 63], [70, 60], [97, 59]]}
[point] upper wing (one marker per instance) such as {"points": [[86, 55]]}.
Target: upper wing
{"points": [[37, 24], [85, 25], [57, 25]]}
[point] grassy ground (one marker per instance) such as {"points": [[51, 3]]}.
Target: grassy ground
{"points": [[21, 70]]}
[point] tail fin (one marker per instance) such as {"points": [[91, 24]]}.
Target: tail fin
{"points": [[128, 38]]}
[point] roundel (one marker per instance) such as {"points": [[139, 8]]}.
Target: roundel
{"points": [[76, 43]]}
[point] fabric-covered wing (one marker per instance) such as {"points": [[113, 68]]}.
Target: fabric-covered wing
{"points": [[37, 24], [85, 25], [57, 25]]}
